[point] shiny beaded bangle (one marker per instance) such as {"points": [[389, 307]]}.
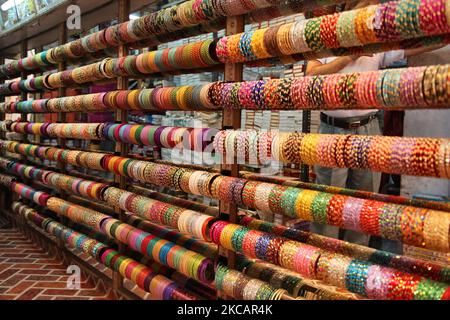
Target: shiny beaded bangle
{"points": [[328, 33], [261, 197], [312, 34], [303, 204]]}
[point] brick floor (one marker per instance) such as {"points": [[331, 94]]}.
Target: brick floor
{"points": [[27, 272]]}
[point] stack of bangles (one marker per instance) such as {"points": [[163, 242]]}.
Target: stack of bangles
{"points": [[357, 276], [204, 248], [159, 286], [167, 98], [204, 291], [197, 139], [29, 193], [167, 253], [430, 204], [415, 226], [385, 22], [239, 286], [290, 281], [180, 202], [400, 262], [416, 87], [428, 157], [185, 220], [407, 88]]}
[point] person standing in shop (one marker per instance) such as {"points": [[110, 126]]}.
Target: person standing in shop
{"points": [[364, 122]]}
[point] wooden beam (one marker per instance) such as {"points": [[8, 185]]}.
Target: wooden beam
{"points": [[121, 116], [232, 120], [62, 38]]}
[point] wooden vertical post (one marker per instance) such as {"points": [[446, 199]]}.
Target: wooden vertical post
{"points": [[62, 38], [3, 202], [38, 95], [61, 118], [2, 99], [121, 116], [232, 120], [24, 95]]}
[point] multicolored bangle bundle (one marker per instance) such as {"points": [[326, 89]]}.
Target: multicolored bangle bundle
{"points": [[239, 286], [167, 137], [390, 21], [408, 88], [400, 262], [183, 239], [415, 226], [159, 286], [356, 276], [29, 193], [289, 254], [186, 221], [376, 282], [397, 155], [436, 205], [167, 253], [421, 87], [180, 202], [290, 281], [167, 98]]}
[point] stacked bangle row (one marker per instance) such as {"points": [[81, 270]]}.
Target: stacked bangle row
{"points": [[288, 280], [400, 262], [418, 87], [390, 21], [184, 220], [239, 286], [183, 239], [376, 282], [356, 276], [397, 155], [27, 192], [167, 137], [437, 205]]}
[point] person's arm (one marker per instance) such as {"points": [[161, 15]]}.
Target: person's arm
{"points": [[417, 51], [315, 67], [392, 56]]}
